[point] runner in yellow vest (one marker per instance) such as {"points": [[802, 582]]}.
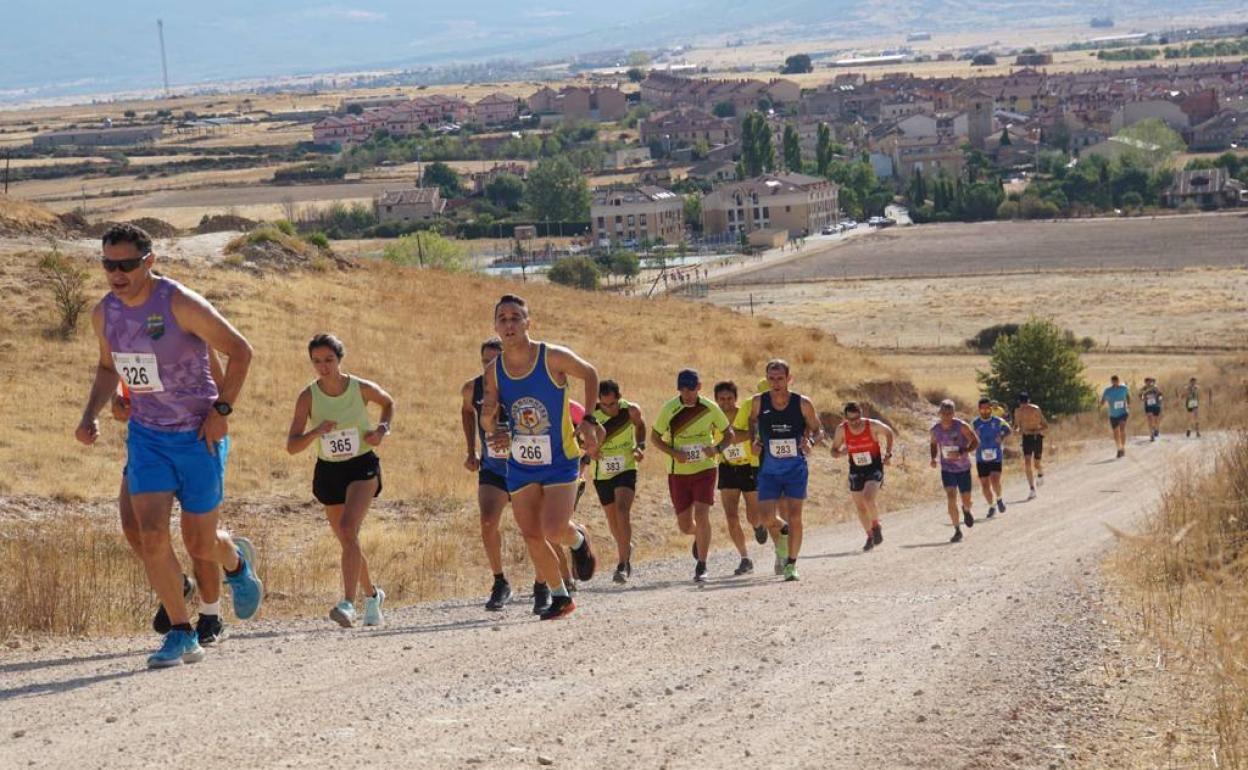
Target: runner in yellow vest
{"points": [[615, 468], [348, 471]]}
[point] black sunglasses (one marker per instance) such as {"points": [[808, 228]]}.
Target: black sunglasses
{"points": [[124, 265]]}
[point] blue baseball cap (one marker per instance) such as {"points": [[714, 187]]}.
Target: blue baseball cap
{"points": [[687, 378]]}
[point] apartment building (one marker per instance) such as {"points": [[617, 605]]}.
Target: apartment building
{"points": [[645, 212], [795, 203]]}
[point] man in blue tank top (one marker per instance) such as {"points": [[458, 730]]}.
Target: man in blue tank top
{"points": [[991, 430], [158, 335], [530, 381], [784, 427]]}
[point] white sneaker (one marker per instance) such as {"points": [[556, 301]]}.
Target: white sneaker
{"points": [[343, 614], [1040, 480], [1031, 495], [372, 608]]}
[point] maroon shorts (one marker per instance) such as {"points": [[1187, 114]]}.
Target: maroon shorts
{"points": [[694, 488]]}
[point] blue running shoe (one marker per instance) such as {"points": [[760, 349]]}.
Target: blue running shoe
{"points": [[179, 647], [245, 588]]}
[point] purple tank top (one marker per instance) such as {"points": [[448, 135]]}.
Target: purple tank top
{"points": [[951, 437], [186, 390]]}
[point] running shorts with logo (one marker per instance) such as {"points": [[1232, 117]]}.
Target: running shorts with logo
{"points": [[331, 479], [179, 462], [606, 487], [686, 489], [860, 476]]}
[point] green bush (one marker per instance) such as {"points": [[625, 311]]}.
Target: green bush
{"points": [[577, 272], [285, 226], [318, 239], [1043, 360], [426, 249]]}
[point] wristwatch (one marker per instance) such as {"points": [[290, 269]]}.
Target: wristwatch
{"points": [[589, 418], [222, 408]]}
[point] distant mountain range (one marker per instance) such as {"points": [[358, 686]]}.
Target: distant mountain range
{"points": [[84, 46]]}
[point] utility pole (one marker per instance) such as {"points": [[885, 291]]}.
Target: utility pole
{"points": [[164, 64], [8, 157]]}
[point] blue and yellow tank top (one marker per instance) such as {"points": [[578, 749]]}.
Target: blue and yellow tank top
{"points": [[542, 434]]}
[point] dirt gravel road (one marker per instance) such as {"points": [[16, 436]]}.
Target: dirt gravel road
{"points": [[920, 654]]}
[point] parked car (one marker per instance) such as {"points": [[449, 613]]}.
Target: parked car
{"points": [[849, 224], [829, 230]]}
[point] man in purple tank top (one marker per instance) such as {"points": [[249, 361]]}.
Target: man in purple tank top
{"points": [[154, 336], [953, 444]]}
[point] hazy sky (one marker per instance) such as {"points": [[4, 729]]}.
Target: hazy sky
{"points": [[56, 47], [106, 45]]}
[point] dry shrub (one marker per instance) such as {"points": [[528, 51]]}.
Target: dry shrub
{"points": [[69, 575], [67, 281], [1190, 571], [935, 395]]}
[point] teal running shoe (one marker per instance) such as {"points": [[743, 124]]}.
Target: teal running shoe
{"points": [[343, 614], [372, 608], [179, 647], [790, 573], [245, 588]]}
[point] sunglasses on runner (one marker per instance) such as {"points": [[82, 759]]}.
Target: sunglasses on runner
{"points": [[124, 265]]}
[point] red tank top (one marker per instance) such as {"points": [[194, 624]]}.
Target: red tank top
{"points": [[861, 442]]}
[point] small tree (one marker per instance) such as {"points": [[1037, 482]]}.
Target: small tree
{"points": [[636, 75], [797, 64], [443, 177], [983, 60], [1042, 360], [577, 272], [355, 109], [505, 191], [724, 110], [68, 282], [556, 191], [625, 264], [425, 249]]}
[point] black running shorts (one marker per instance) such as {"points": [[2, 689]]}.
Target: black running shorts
{"points": [[743, 478], [606, 487], [1033, 445], [331, 479]]}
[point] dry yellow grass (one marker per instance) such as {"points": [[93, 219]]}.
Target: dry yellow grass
{"points": [[1186, 579], [416, 333]]}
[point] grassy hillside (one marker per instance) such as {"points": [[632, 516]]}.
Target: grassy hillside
{"points": [[416, 333]]}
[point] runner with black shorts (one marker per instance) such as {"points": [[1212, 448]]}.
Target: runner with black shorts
{"points": [[738, 478], [858, 438], [1029, 421], [991, 431], [1152, 397], [615, 469], [490, 465], [348, 471], [1117, 401]]}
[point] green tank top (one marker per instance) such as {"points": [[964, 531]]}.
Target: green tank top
{"points": [[617, 448], [349, 411]]}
